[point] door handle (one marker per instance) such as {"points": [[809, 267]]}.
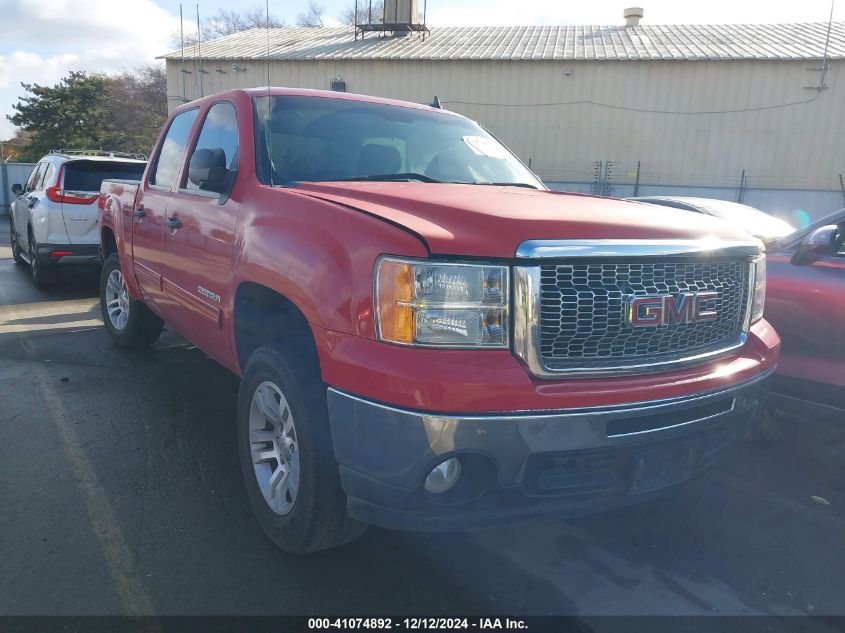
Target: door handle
{"points": [[172, 223], [140, 213]]}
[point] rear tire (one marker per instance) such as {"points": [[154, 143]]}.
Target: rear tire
{"points": [[286, 455], [16, 247], [129, 322], [43, 276]]}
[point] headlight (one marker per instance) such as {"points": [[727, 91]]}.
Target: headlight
{"points": [[759, 298], [439, 304]]}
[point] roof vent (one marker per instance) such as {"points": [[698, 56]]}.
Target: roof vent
{"points": [[632, 16]]}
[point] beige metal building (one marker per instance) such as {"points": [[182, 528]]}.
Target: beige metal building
{"points": [[751, 112]]}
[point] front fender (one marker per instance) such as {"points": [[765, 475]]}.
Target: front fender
{"points": [[317, 254]]}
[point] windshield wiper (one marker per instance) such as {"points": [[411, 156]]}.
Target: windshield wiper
{"points": [[391, 177]]}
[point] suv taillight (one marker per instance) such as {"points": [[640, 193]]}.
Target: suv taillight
{"points": [[55, 194]]}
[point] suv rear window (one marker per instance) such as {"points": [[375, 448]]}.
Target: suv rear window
{"points": [[88, 175]]}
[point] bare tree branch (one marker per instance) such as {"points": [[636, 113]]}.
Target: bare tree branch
{"points": [[312, 16], [225, 23], [364, 14]]}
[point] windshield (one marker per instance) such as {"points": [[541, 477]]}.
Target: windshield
{"points": [[319, 139]]}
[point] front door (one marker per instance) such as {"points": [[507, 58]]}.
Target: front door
{"points": [[21, 204], [197, 267], [151, 208], [806, 305]]}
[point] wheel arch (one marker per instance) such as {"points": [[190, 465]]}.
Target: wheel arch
{"points": [[263, 316], [108, 242]]}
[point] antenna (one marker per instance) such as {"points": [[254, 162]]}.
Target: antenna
{"points": [[267, 29], [825, 64], [199, 54], [182, 38], [269, 104]]}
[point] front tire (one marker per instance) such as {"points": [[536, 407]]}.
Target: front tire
{"points": [[286, 455], [129, 322]]}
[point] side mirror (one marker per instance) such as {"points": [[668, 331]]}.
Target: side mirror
{"points": [[17, 189], [207, 170], [815, 246]]}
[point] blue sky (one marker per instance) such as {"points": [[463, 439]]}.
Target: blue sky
{"points": [[42, 40]]}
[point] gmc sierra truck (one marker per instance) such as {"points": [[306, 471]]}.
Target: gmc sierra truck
{"points": [[427, 337]]}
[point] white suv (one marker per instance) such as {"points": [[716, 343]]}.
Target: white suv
{"points": [[54, 217]]}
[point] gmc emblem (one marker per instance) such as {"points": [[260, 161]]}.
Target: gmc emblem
{"points": [[687, 307]]}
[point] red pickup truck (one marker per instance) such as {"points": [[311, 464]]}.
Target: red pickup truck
{"points": [[426, 337]]}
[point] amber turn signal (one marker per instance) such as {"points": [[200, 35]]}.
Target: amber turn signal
{"points": [[395, 287]]}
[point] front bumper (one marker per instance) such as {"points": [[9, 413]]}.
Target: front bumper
{"points": [[523, 464], [69, 254]]}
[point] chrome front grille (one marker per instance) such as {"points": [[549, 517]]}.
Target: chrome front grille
{"points": [[583, 308]]}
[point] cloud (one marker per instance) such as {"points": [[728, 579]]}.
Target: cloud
{"points": [[138, 24], [42, 40]]}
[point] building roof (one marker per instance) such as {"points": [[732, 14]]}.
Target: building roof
{"points": [[644, 42]]}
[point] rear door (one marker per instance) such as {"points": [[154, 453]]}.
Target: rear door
{"points": [[78, 189], [151, 207], [197, 265]]}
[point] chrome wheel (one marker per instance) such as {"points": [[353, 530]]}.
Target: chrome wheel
{"points": [[117, 300], [274, 447]]}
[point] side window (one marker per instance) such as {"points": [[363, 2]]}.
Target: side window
{"points": [[215, 158], [35, 176], [172, 149]]}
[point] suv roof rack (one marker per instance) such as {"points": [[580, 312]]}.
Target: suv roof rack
{"points": [[99, 152]]}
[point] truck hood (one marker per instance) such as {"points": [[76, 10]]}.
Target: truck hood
{"points": [[491, 221]]}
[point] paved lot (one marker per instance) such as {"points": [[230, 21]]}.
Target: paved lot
{"points": [[120, 493]]}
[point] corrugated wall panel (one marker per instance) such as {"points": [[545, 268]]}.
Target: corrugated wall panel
{"points": [[789, 147]]}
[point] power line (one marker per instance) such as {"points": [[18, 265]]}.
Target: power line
{"points": [[632, 109]]}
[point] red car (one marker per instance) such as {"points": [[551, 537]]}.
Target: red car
{"points": [[428, 338], [806, 304]]}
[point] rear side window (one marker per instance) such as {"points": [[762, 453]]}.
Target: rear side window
{"points": [[88, 175], [220, 135], [172, 149]]}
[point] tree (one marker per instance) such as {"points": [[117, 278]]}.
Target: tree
{"points": [[225, 23], [120, 112], [137, 107], [364, 15], [312, 16], [73, 113]]}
